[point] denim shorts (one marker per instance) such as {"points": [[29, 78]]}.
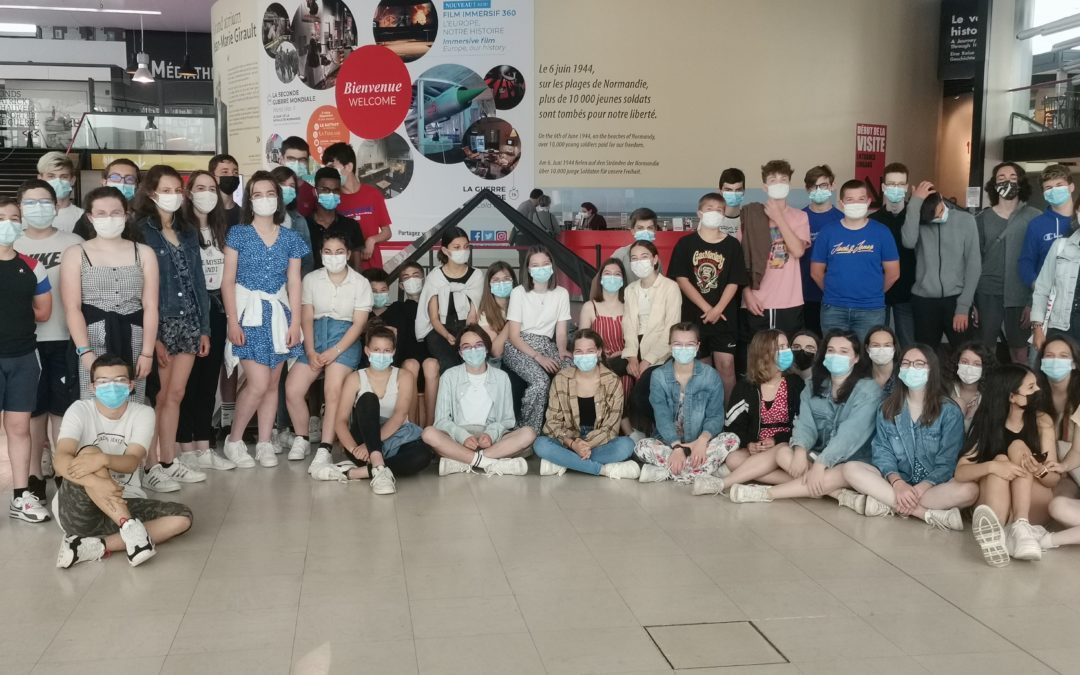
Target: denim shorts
{"points": [[328, 332]]}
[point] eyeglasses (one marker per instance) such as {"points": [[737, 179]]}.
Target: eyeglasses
{"points": [[896, 185], [111, 380], [808, 350], [118, 178], [27, 203], [914, 364]]}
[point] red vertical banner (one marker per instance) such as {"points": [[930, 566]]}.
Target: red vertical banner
{"points": [[870, 155]]}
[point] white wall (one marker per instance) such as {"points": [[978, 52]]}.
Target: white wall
{"points": [[26, 50]]}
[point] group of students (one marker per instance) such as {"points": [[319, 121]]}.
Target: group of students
{"points": [[170, 283]]}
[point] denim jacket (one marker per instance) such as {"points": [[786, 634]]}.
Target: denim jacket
{"points": [[898, 443], [838, 432], [1055, 287], [703, 406], [170, 289]]}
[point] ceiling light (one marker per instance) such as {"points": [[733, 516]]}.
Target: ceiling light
{"points": [[96, 10], [142, 73], [187, 71], [18, 29]]}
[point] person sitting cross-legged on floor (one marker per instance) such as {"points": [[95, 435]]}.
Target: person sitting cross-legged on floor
{"points": [[101, 506]]}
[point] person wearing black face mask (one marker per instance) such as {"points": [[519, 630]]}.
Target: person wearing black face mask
{"points": [[804, 347], [226, 171], [1002, 300]]}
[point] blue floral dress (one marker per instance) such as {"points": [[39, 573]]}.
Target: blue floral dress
{"points": [[264, 268]]}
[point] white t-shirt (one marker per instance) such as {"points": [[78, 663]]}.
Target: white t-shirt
{"points": [[476, 401], [47, 251], [213, 261], [67, 217], [84, 424], [337, 302], [732, 226], [539, 312]]}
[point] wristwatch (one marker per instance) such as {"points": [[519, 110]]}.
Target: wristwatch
{"points": [[79, 351]]}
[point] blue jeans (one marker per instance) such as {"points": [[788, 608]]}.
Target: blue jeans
{"points": [[616, 450], [859, 321], [903, 323]]}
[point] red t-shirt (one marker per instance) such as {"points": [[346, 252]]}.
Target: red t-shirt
{"points": [[368, 208]]}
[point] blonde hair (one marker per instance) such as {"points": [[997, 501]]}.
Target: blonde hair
{"points": [[761, 355], [54, 161]]}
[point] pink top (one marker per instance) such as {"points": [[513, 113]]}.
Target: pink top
{"points": [[781, 287]]}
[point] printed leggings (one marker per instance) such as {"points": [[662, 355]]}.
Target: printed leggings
{"points": [[537, 380], [655, 451]]}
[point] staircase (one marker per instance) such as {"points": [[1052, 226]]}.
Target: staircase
{"points": [[17, 165]]}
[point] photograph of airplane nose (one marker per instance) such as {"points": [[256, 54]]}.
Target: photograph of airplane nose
{"points": [[447, 99], [324, 34]]}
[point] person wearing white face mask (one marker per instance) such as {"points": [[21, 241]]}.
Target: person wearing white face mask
{"points": [[948, 263], [45, 244], [591, 218], [184, 315], [882, 348], [109, 286], [854, 262], [57, 169], [971, 361]]}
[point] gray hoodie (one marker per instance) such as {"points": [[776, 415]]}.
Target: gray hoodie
{"points": [[947, 259]]}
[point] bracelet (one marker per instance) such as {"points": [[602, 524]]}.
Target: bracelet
{"points": [[894, 482], [146, 356], [79, 351]]}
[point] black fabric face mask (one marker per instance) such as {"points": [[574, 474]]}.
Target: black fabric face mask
{"points": [[228, 184], [803, 359], [1007, 189]]}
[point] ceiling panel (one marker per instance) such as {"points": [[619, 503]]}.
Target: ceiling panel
{"points": [[176, 15]]}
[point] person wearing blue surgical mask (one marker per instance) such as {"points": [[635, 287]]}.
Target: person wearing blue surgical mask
{"points": [[538, 314], [732, 187], [920, 432], [604, 313], [294, 220], [296, 156], [644, 224], [1057, 361], [326, 218], [57, 169], [687, 398], [1056, 222], [582, 424], [495, 300], [821, 212], [892, 214], [835, 425]]}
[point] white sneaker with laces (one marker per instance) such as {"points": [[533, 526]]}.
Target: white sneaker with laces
{"points": [[237, 453], [514, 466], [628, 469], [944, 519], [265, 455], [549, 469], [29, 508], [449, 466], [1024, 544], [874, 508], [990, 536], [137, 542], [707, 485], [212, 460], [746, 494], [850, 499], [382, 480], [75, 550], [157, 480], [329, 471], [299, 450], [181, 473], [650, 473], [322, 458]]}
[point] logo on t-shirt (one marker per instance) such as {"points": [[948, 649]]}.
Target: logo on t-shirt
{"points": [[114, 444], [707, 268], [861, 247], [778, 254]]}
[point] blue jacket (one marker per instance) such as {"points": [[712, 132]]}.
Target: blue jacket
{"points": [[171, 290], [897, 444], [703, 405], [838, 432], [1042, 231]]}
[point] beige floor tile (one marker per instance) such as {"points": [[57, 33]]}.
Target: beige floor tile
{"points": [[893, 595], [427, 582], [431, 527], [464, 550], [719, 541], [1047, 626], [255, 592], [575, 609], [571, 573], [681, 605], [845, 563], [479, 655], [624, 519], [229, 630], [115, 666], [650, 542], [463, 617], [1012, 586], [944, 632], [25, 641], [1006, 663], [130, 635], [652, 571], [600, 650], [768, 669], [785, 600], [339, 624], [1062, 659], [895, 665], [815, 639], [396, 657], [384, 586], [738, 569], [253, 661], [714, 645]]}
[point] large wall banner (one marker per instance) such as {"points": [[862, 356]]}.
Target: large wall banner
{"points": [[434, 97]]}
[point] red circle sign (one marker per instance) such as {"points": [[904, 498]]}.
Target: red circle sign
{"points": [[324, 129], [374, 92]]}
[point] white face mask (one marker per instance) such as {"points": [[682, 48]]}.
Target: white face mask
{"points": [[778, 190], [335, 263], [642, 269], [460, 257], [169, 203], [412, 285], [205, 201], [109, 227], [264, 206], [712, 219], [856, 211], [881, 355], [969, 374]]}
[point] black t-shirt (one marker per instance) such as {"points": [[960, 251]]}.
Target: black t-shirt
{"points": [[341, 225], [22, 279], [710, 267], [587, 411], [401, 315], [900, 292], [232, 215]]}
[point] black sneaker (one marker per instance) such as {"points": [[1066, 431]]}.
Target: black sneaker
{"points": [[137, 541]]}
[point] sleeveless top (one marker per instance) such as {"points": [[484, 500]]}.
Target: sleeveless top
{"points": [[112, 289], [610, 330], [388, 401]]}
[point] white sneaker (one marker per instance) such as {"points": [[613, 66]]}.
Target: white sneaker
{"points": [[182, 473], [382, 480], [875, 509], [137, 541], [237, 453], [549, 469], [29, 508], [329, 471], [650, 473], [212, 460], [1024, 544], [944, 519], [515, 466], [283, 439], [449, 466], [707, 485], [75, 550], [853, 500], [745, 494], [322, 458], [265, 455], [990, 536], [315, 429], [299, 450], [157, 480], [628, 469]]}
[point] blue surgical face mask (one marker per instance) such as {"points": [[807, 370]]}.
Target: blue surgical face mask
{"points": [[644, 235], [1056, 369], [684, 355], [820, 195], [475, 356], [586, 362], [1056, 196], [611, 283], [297, 167], [914, 378], [943, 218], [288, 194], [329, 200], [895, 195], [837, 364], [112, 395], [541, 274], [733, 199], [381, 360], [784, 358], [61, 187], [502, 289], [9, 232], [380, 300], [125, 189], [39, 215]]}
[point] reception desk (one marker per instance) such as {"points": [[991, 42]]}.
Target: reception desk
{"points": [[584, 243]]}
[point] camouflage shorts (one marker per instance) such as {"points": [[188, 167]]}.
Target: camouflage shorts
{"points": [[78, 515]]}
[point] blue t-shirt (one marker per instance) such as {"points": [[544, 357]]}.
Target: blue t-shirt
{"points": [[811, 292], [854, 277]]}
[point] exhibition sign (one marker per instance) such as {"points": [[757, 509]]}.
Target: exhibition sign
{"points": [[870, 155]]}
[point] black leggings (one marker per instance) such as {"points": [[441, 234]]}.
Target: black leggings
{"points": [[446, 354], [197, 408], [638, 409], [366, 428]]}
